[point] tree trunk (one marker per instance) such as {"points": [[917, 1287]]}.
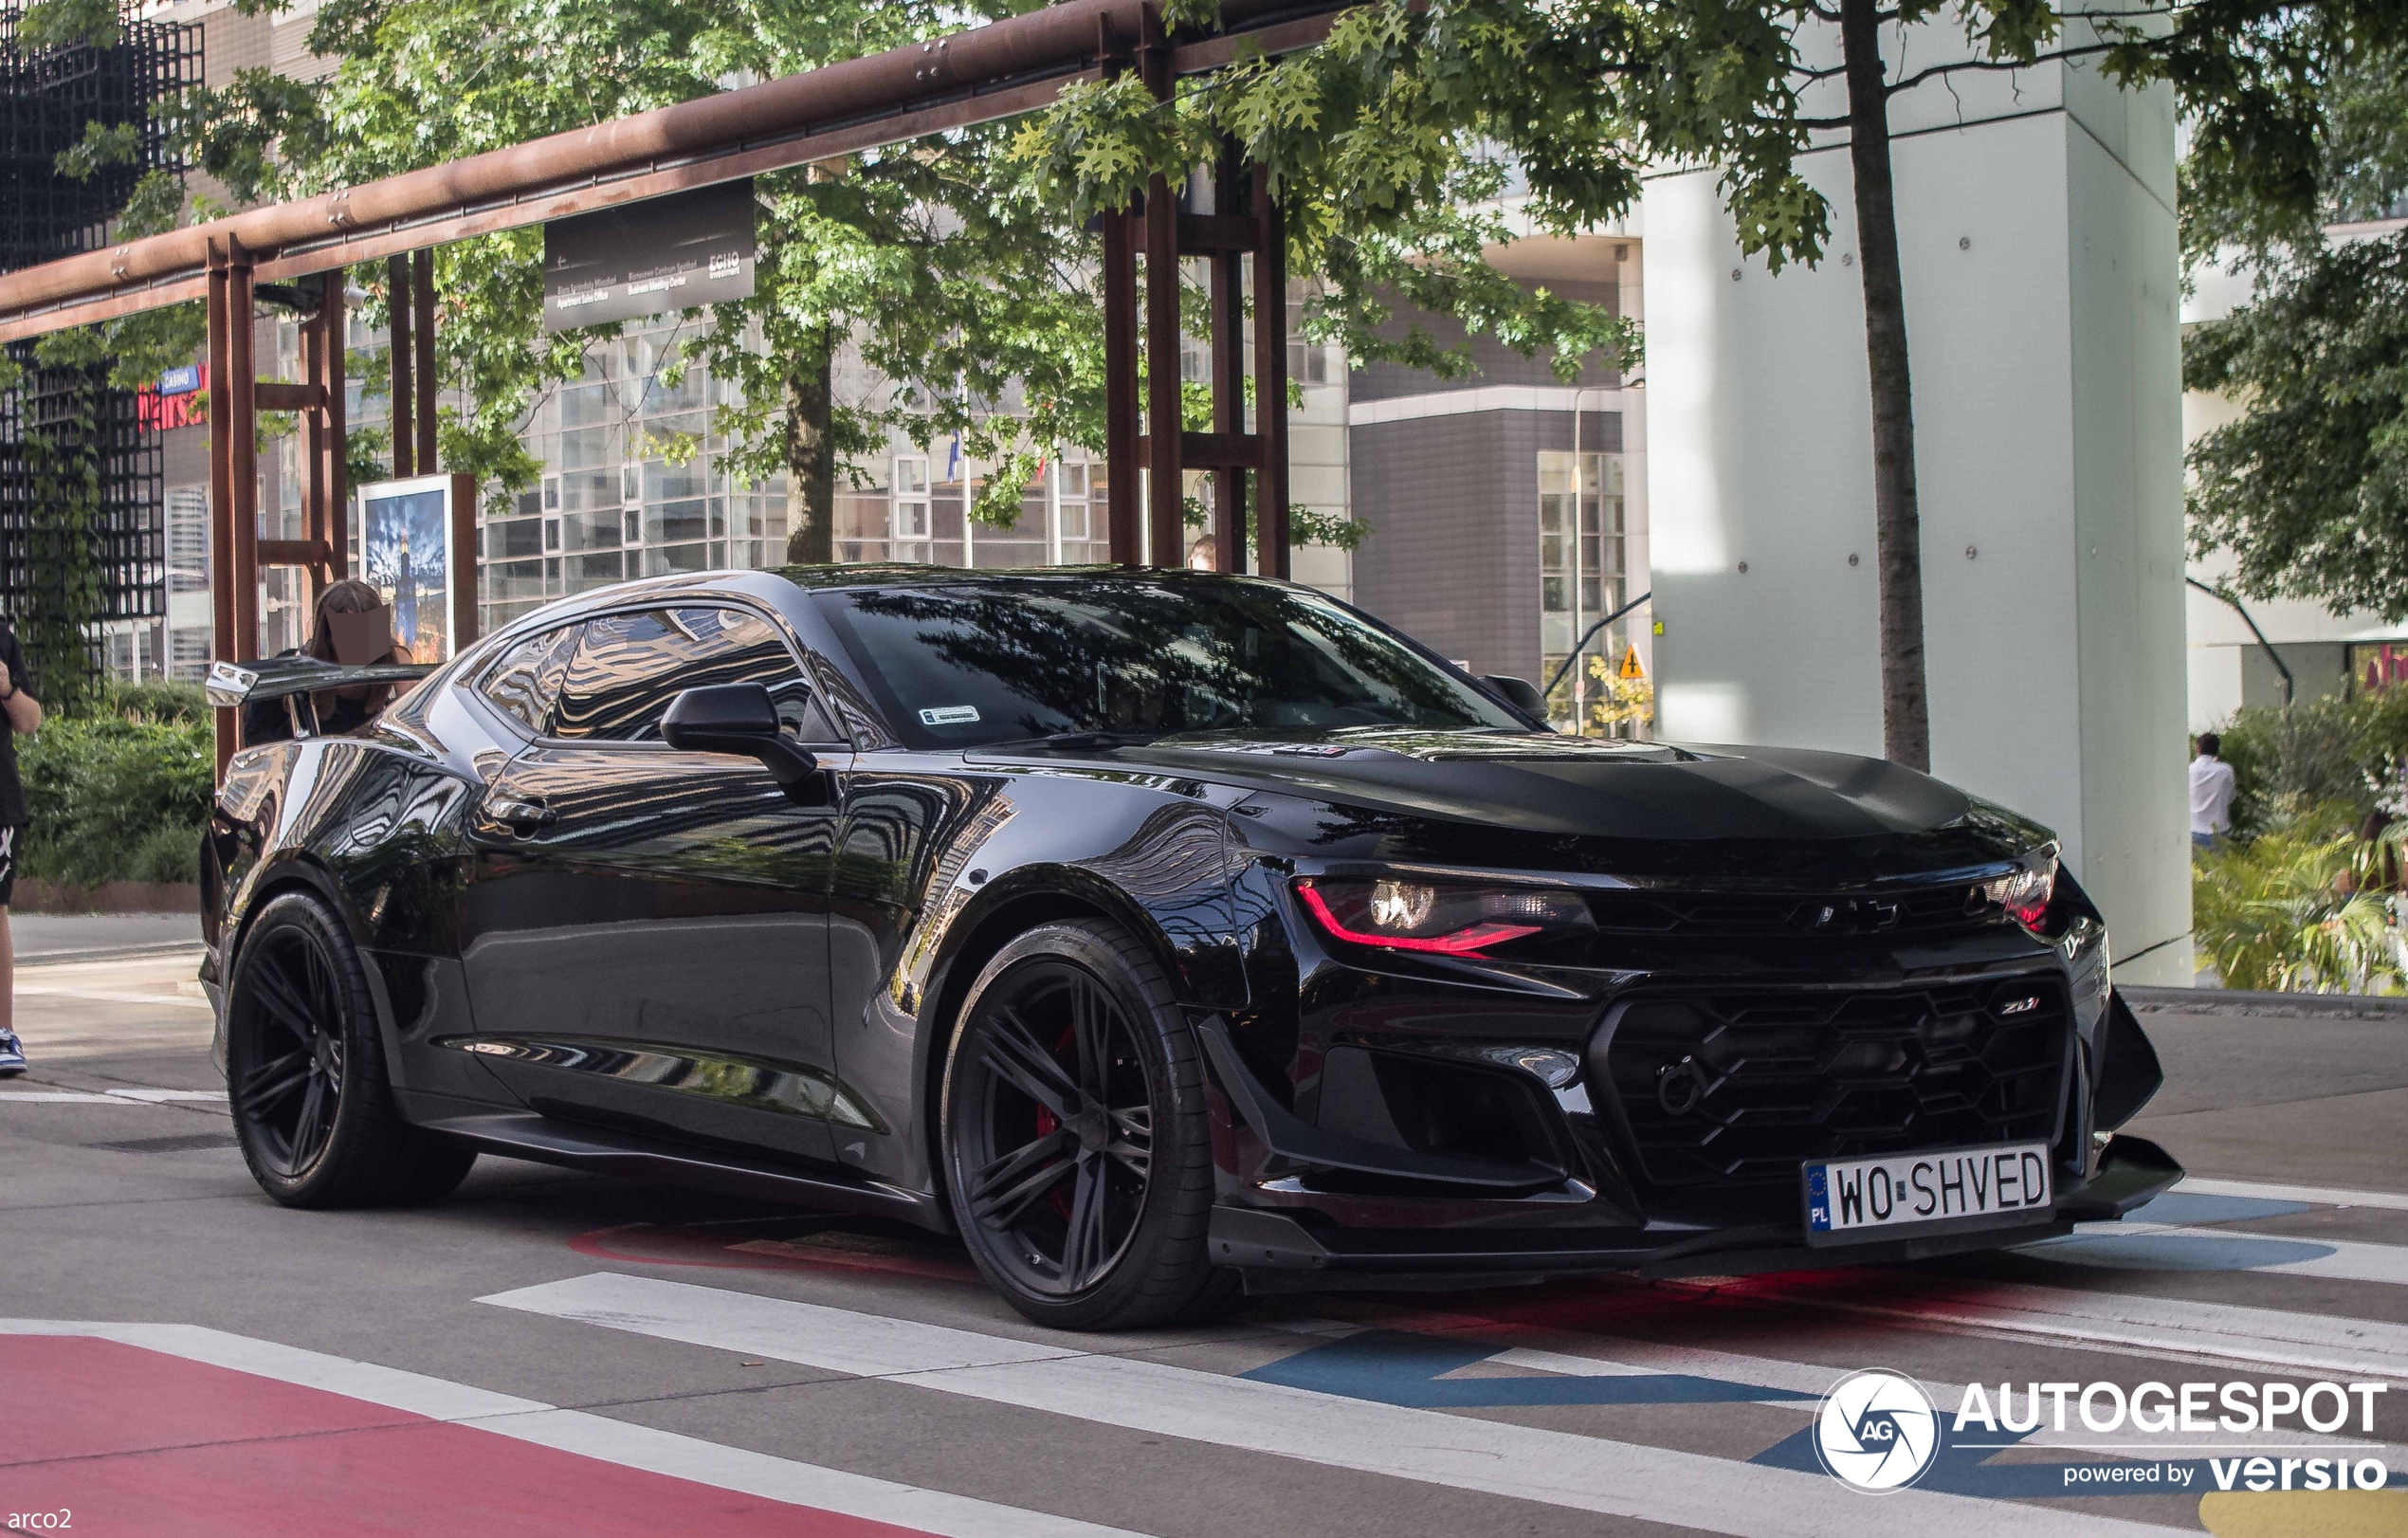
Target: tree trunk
{"points": [[810, 458], [1906, 717]]}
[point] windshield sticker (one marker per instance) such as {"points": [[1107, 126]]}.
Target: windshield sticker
{"points": [[949, 715]]}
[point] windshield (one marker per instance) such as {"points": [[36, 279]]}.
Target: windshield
{"points": [[1013, 658]]}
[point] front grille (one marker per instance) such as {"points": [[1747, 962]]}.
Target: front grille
{"points": [[1741, 1085], [1918, 910]]}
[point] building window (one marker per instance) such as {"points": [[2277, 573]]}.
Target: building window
{"points": [[188, 540], [1307, 360], [1583, 577], [187, 653]]}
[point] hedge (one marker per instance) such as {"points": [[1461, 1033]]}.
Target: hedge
{"points": [[120, 792]]}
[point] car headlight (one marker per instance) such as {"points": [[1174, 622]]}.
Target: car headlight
{"points": [[1448, 918], [2025, 894]]}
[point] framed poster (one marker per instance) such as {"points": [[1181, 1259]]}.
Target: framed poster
{"points": [[412, 552]]}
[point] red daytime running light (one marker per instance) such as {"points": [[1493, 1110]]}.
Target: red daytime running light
{"points": [[1462, 943]]}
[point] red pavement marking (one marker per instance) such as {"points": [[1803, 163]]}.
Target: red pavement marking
{"points": [[141, 1443]]}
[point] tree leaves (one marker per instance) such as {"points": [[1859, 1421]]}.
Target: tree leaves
{"points": [[2309, 488]]}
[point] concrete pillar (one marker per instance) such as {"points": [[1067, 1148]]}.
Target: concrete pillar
{"points": [[2037, 226]]}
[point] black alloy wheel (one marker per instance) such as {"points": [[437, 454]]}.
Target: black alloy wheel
{"points": [[305, 1073], [1076, 1152], [292, 1083]]}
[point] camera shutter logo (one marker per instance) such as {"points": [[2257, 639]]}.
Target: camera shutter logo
{"points": [[1877, 1431]]}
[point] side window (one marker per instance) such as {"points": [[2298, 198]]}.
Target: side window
{"points": [[625, 670], [628, 667], [746, 649], [523, 681]]}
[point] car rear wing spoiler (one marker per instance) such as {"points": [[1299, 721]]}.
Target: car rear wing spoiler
{"points": [[232, 683]]}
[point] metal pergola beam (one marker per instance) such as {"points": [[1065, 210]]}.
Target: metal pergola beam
{"points": [[979, 75], [999, 70]]}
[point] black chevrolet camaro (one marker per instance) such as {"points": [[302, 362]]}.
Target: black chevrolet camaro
{"points": [[1167, 936]]}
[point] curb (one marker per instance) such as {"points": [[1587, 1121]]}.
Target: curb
{"points": [[42, 896], [2228, 1001], [111, 953]]}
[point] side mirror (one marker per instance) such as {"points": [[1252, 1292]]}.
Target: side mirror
{"points": [[1518, 692], [735, 718]]}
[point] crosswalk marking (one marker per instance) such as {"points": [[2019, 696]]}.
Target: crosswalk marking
{"points": [[2175, 1328], [113, 1097], [591, 1435], [111, 996], [2143, 1245], [2322, 1195], [1627, 1357], [1430, 1447]]}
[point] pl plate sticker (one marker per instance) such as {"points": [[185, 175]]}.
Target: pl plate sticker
{"points": [[949, 715], [1877, 1431]]}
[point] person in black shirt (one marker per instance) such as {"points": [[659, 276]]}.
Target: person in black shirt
{"points": [[25, 715]]}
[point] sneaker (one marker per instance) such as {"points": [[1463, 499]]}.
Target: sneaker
{"points": [[11, 1055]]}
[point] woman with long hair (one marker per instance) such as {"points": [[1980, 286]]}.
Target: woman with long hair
{"points": [[353, 627]]}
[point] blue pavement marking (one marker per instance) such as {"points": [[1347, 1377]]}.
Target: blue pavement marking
{"points": [[2175, 1251], [2099, 1244], [1392, 1368], [2185, 1207]]}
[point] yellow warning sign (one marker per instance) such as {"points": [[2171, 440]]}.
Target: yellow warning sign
{"points": [[1630, 668]]}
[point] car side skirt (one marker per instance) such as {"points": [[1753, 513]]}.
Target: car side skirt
{"points": [[602, 1151]]}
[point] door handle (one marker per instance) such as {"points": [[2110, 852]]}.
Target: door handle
{"points": [[521, 818]]}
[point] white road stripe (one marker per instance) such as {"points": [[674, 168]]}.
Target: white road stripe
{"points": [[590, 1435], [2321, 1196], [110, 995], [161, 1096], [2270, 1338], [1460, 1452], [115, 1097], [1629, 1357], [2352, 1260]]}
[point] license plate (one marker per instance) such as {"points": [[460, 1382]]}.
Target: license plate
{"points": [[1945, 1190]]}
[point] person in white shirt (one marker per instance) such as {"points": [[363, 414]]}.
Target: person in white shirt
{"points": [[2211, 792]]}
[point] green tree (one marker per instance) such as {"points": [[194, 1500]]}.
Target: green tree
{"points": [[961, 279], [2309, 488], [1410, 108]]}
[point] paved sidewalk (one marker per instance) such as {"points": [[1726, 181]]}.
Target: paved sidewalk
{"points": [[39, 936]]}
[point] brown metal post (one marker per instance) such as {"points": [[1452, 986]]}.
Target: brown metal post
{"points": [[221, 501], [1229, 372], [313, 435], [1163, 418], [421, 288], [398, 304], [335, 442], [242, 450], [1120, 387], [460, 579], [1270, 379]]}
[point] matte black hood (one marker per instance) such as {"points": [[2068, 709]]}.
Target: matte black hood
{"points": [[1590, 803]]}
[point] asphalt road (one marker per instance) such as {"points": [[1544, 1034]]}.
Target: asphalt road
{"points": [[548, 1353]]}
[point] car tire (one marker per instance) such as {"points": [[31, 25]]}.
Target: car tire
{"points": [[1077, 1152], [314, 1111]]}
